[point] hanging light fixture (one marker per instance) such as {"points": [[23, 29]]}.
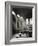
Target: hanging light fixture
{"points": [[13, 13]]}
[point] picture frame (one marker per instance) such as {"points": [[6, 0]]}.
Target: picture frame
{"points": [[8, 22]]}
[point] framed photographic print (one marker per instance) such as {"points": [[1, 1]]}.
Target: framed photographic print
{"points": [[20, 22]]}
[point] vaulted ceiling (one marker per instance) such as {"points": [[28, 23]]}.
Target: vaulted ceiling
{"points": [[26, 12]]}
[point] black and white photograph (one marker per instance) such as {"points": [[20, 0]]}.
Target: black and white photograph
{"points": [[20, 22]]}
